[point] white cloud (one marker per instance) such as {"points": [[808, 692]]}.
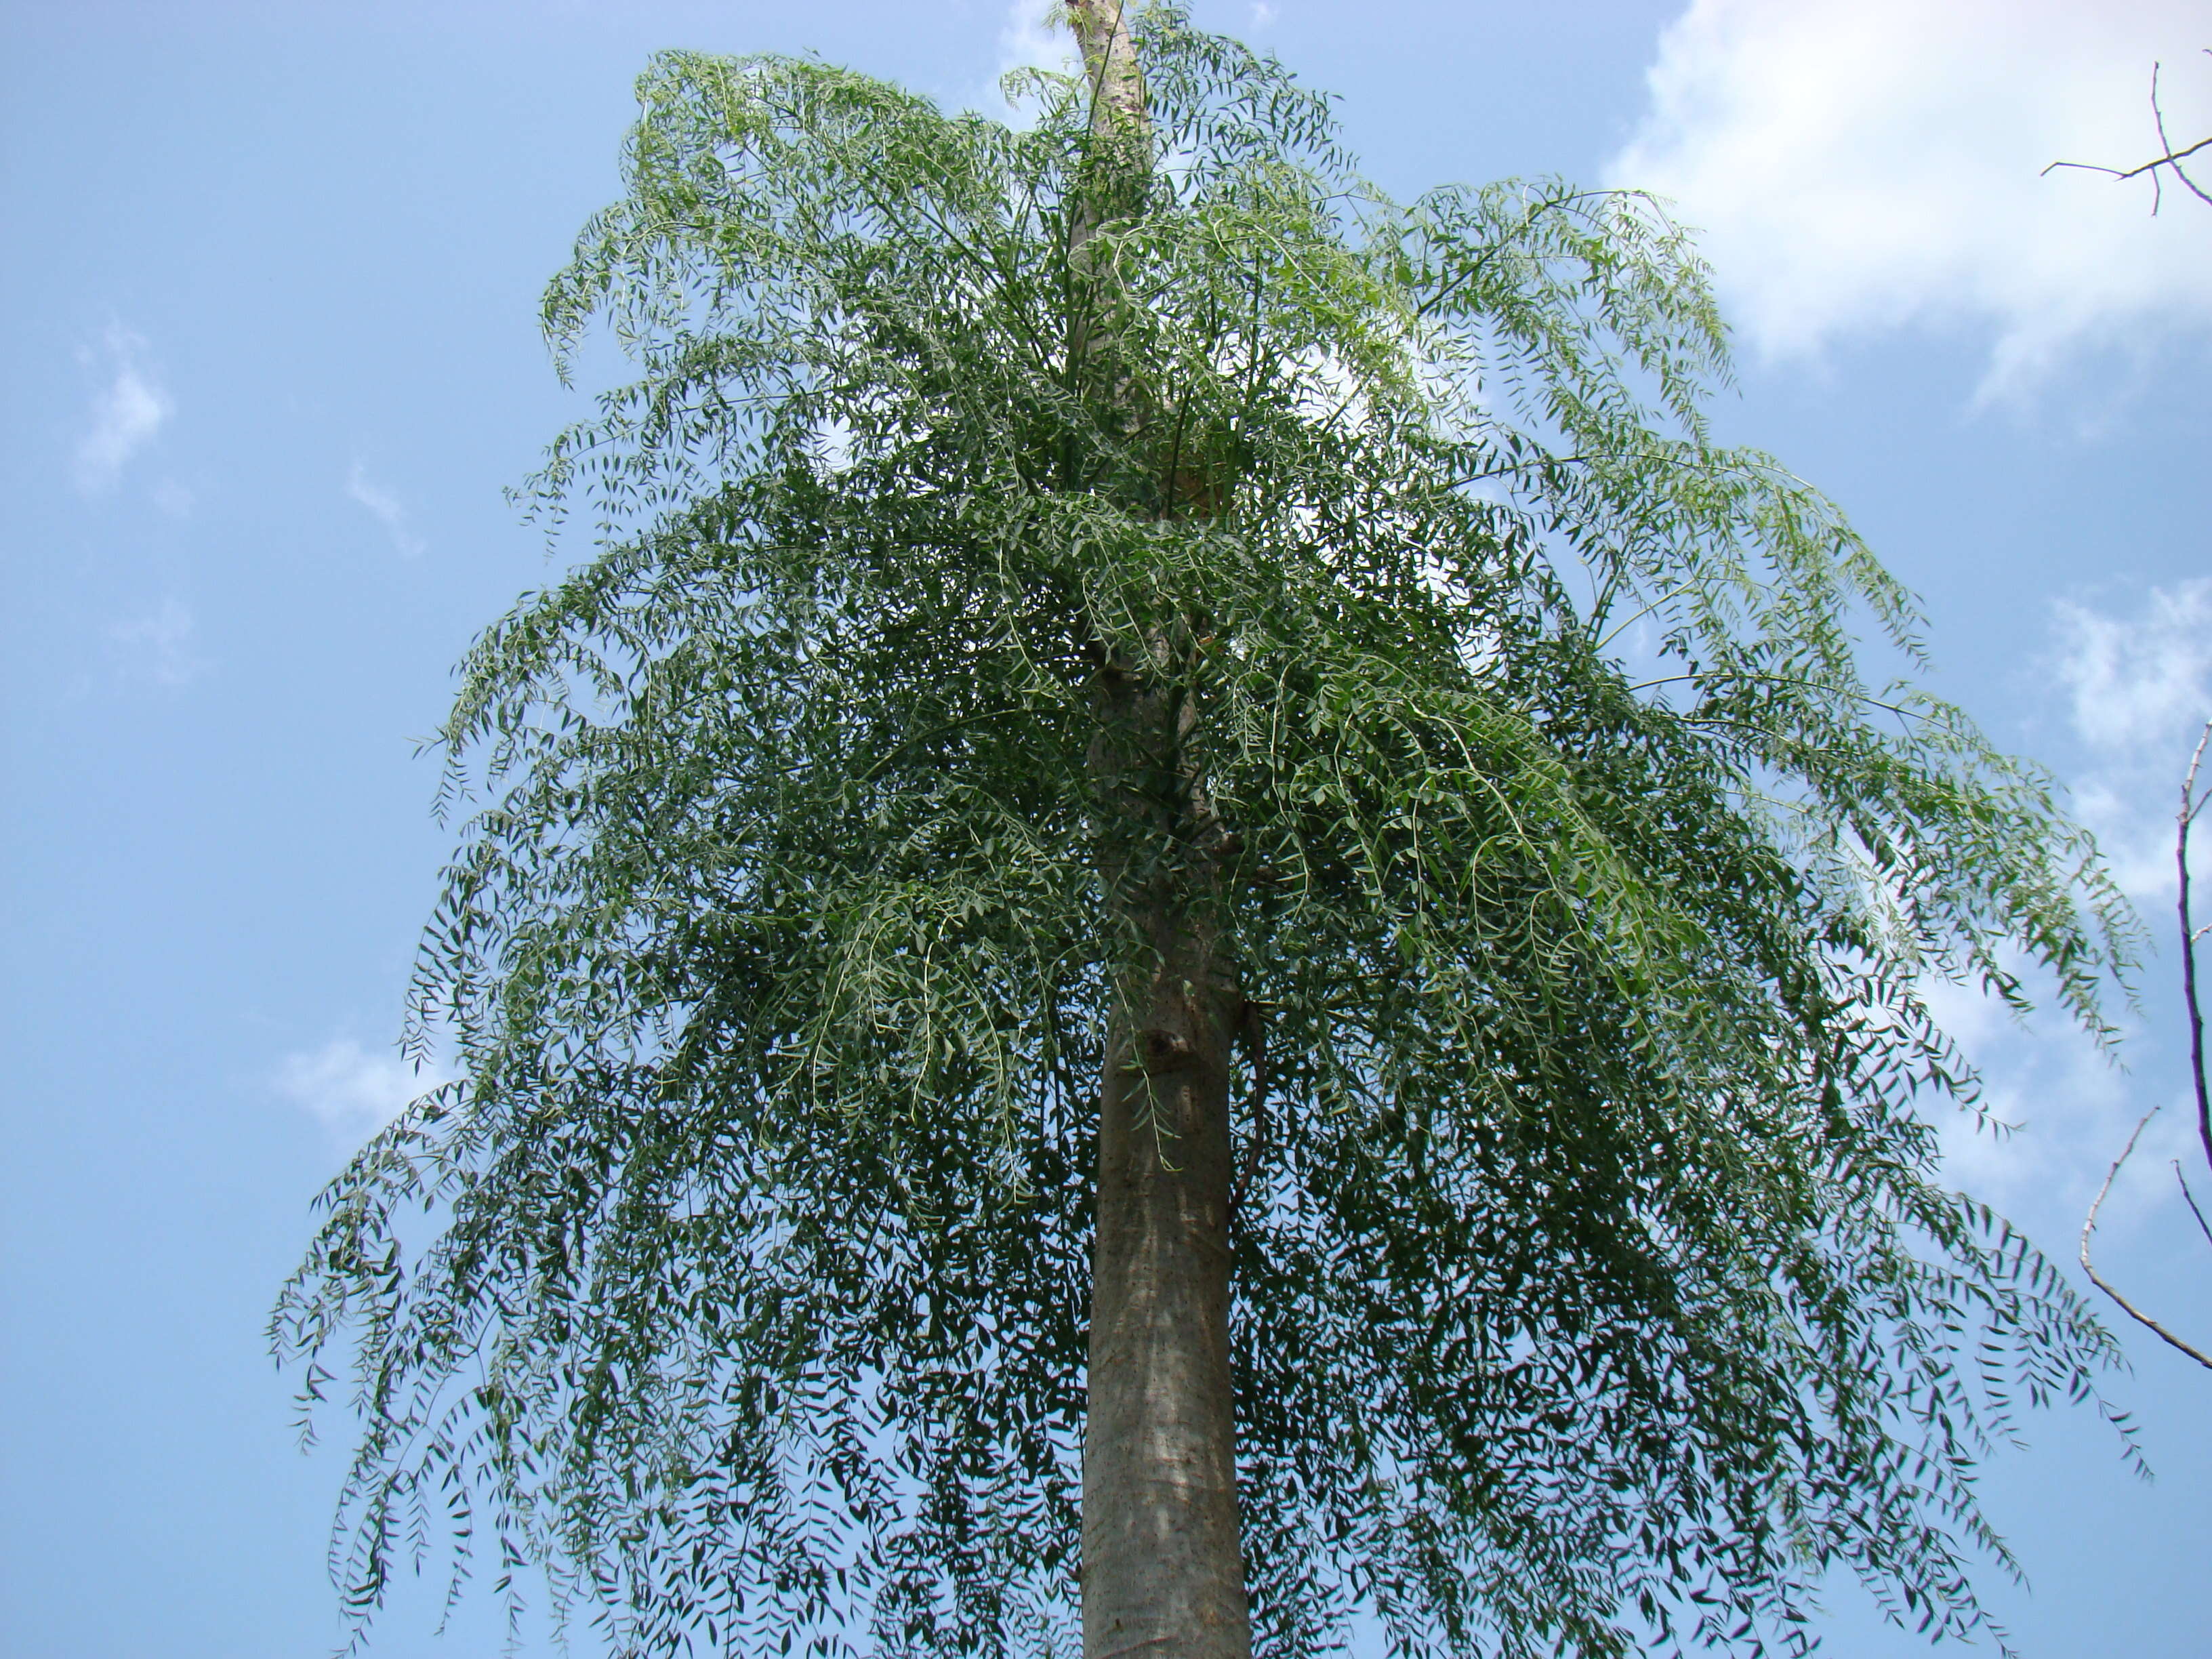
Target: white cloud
{"points": [[2139, 690], [1033, 37], [157, 648], [353, 1092], [1858, 166], [2136, 681], [387, 508], [127, 410], [2061, 1110]]}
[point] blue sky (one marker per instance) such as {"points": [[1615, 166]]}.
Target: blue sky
{"points": [[270, 356]]}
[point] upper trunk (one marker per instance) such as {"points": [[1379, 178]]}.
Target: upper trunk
{"points": [[1162, 1570]]}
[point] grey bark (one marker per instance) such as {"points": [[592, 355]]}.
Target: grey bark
{"points": [[1163, 1568], [1162, 1562]]}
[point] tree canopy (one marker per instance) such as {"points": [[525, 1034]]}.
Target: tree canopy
{"points": [[1594, 1287]]}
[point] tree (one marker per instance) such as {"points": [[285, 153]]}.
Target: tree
{"points": [[1197, 912]]}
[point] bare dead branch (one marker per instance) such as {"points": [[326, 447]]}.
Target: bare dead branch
{"points": [[2157, 118], [2190, 804], [2168, 157], [2190, 1199], [2089, 1227], [2164, 160]]}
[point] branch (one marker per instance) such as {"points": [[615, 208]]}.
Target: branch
{"points": [[2089, 1227], [2164, 160], [2170, 157], [2190, 1199], [2189, 807], [1868, 698]]}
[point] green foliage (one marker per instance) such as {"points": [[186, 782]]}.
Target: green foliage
{"points": [[1594, 1287]]}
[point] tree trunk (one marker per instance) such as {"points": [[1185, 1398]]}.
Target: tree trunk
{"points": [[1162, 1570], [1163, 1561]]}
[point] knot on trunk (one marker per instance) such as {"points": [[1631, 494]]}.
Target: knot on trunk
{"points": [[1160, 1050]]}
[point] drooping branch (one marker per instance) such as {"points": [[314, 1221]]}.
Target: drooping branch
{"points": [[2169, 156], [1252, 1034]]}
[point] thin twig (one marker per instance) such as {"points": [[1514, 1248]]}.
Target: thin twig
{"points": [[2157, 118], [2190, 1199], [2089, 1267]]}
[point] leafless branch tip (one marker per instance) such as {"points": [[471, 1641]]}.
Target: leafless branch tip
{"points": [[2169, 156], [2089, 1227]]}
